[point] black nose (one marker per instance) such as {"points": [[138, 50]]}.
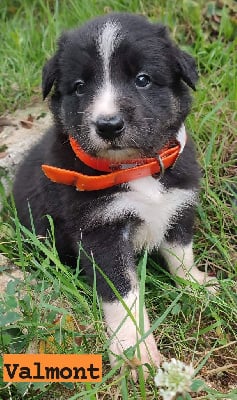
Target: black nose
{"points": [[109, 127]]}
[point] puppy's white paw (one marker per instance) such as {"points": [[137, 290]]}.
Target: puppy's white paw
{"points": [[180, 261], [202, 278], [124, 333], [145, 353], [210, 282]]}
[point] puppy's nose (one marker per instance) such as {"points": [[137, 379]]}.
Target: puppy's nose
{"points": [[109, 127]]}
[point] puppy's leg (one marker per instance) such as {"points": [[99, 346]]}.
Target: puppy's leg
{"points": [[180, 261], [113, 252], [178, 252], [124, 328]]}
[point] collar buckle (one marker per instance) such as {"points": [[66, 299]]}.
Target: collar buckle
{"points": [[162, 167]]}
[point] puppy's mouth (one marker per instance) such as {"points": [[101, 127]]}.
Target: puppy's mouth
{"points": [[118, 153], [114, 149]]}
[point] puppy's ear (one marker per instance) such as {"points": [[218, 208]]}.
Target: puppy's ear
{"points": [[187, 68], [50, 71], [49, 75], [185, 64]]}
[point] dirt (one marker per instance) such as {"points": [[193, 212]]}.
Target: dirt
{"points": [[18, 132]]}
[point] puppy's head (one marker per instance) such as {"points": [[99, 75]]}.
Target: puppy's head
{"points": [[120, 86]]}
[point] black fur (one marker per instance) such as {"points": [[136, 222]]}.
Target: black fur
{"points": [[152, 117]]}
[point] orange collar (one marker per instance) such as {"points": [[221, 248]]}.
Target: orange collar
{"points": [[119, 172]]}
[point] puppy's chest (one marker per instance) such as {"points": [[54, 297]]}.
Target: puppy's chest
{"points": [[156, 208]]}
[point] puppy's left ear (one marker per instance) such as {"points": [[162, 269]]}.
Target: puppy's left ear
{"points": [[187, 68]]}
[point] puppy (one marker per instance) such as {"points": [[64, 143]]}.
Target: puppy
{"points": [[119, 100]]}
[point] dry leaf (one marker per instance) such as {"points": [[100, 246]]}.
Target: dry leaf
{"points": [[26, 124]]}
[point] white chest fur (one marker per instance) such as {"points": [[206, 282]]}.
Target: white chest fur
{"points": [[154, 205]]}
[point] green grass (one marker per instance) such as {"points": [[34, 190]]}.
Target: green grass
{"points": [[189, 324]]}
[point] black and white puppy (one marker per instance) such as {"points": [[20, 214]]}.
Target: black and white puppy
{"points": [[121, 91]]}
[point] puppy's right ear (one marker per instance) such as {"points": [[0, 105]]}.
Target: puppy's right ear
{"points": [[49, 75], [50, 71]]}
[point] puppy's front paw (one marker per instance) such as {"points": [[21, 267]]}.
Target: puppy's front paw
{"points": [[209, 282], [145, 353], [124, 333]]}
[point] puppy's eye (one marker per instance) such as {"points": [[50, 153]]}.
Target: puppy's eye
{"points": [[79, 87], [142, 80]]}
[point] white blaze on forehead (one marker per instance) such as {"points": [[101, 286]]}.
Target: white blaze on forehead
{"points": [[108, 39]]}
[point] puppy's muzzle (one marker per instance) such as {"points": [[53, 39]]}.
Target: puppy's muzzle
{"points": [[109, 127]]}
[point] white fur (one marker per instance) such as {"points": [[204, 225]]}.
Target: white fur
{"points": [[104, 103], [105, 100], [153, 204], [108, 39], [180, 262], [157, 207], [181, 137], [125, 332], [179, 258]]}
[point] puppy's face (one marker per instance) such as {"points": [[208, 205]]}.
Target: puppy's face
{"points": [[119, 86]]}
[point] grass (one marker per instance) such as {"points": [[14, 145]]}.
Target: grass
{"points": [[52, 305]]}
